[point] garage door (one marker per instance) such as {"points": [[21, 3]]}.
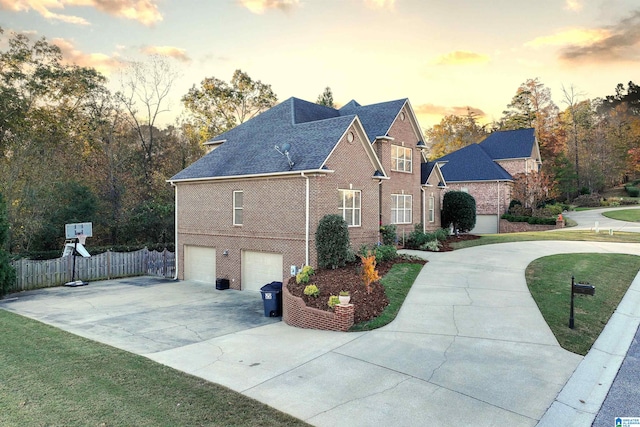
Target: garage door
{"points": [[486, 224], [260, 268], [200, 264]]}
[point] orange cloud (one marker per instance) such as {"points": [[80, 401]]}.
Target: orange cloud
{"points": [[461, 57], [170, 51], [619, 43], [260, 6], [103, 63], [441, 110], [143, 11], [572, 36]]}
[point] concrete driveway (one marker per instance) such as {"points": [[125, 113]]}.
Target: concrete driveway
{"points": [[468, 347], [593, 219]]}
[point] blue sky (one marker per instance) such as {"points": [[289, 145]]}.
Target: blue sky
{"points": [[443, 55]]}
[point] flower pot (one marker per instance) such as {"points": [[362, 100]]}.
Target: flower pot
{"points": [[344, 299]]}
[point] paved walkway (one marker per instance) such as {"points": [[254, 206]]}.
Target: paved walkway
{"points": [[469, 346]]}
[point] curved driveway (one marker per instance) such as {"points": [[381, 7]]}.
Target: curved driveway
{"points": [[469, 347]]}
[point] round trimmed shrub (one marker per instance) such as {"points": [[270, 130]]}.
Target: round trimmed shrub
{"points": [[459, 210]]}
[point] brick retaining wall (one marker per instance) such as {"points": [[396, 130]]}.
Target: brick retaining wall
{"points": [[517, 227], [296, 313]]}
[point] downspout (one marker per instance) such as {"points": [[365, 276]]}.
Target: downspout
{"points": [[306, 220], [424, 215], [498, 206], [175, 225]]}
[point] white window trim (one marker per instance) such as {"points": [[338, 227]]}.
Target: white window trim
{"points": [[395, 198], [356, 211], [432, 209], [407, 161], [238, 208]]}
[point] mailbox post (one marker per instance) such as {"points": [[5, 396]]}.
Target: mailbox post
{"points": [[582, 289]]}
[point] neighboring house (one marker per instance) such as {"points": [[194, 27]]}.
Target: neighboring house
{"points": [[248, 210], [486, 171]]}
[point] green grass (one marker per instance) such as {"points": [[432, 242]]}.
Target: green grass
{"points": [[576, 235], [49, 377], [630, 215], [549, 280], [397, 283]]}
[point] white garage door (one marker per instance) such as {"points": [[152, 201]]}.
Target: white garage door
{"points": [[260, 268], [485, 224], [200, 264]]}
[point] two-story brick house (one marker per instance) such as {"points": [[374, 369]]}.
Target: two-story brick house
{"points": [[248, 210], [486, 171]]}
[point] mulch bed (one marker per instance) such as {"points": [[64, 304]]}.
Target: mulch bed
{"points": [[349, 278]]}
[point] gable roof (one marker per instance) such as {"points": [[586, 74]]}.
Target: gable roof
{"points": [[510, 144], [471, 163], [427, 169], [376, 118], [312, 131]]}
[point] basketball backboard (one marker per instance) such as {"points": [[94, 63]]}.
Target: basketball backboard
{"points": [[73, 230]]}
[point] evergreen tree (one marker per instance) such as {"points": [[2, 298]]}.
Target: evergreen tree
{"points": [[326, 98]]}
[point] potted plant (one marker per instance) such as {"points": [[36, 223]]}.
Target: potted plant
{"points": [[344, 297]]}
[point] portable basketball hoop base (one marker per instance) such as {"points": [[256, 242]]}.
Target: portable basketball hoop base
{"points": [[76, 235]]}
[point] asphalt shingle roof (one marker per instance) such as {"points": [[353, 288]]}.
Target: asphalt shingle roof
{"points": [[376, 118], [471, 163], [312, 130], [510, 144]]}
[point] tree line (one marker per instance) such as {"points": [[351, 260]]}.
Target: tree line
{"points": [[586, 147], [71, 150]]}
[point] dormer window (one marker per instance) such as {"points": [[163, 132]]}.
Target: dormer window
{"points": [[401, 159]]}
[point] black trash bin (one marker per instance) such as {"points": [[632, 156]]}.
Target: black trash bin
{"points": [[272, 299]]}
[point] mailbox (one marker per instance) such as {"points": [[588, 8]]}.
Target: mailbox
{"points": [[584, 289]]}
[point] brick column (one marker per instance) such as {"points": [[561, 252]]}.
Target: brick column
{"points": [[344, 316]]}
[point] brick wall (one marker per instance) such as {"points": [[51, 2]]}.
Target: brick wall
{"points": [[296, 313], [518, 227], [274, 212], [404, 135], [492, 198]]}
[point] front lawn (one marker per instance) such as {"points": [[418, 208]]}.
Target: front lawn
{"points": [[630, 215], [49, 377], [576, 235], [549, 280]]}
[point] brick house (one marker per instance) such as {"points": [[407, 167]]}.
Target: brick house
{"points": [[248, 210], [486, 171]]}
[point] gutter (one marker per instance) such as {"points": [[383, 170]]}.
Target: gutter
{"points": [[306, 220], [175, 225], [252, 176]]}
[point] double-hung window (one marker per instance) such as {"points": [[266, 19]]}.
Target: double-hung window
{"points": [[432, 206], [237, 207], [401, 158], [349, 206], [401, 205]]}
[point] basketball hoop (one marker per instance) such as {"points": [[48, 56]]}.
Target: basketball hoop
{"points": [[82, 238]]}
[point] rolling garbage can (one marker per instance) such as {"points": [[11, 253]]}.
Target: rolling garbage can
{"points": [[272, 299]]}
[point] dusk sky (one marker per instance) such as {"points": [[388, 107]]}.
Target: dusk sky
{"points": [[444, 55]]}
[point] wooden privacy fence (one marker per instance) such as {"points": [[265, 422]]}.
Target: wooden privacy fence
{"points": [[32, 274]]}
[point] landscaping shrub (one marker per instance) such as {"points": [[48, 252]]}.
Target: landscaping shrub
{"points": [[520, 210], [432, 245], [312, 291], [418, 239], [333, 301], [513, 203], [388, 233], [632, 191], [587, 200], [332, 242], [459, 210], [386, 253], [415, 239]]}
